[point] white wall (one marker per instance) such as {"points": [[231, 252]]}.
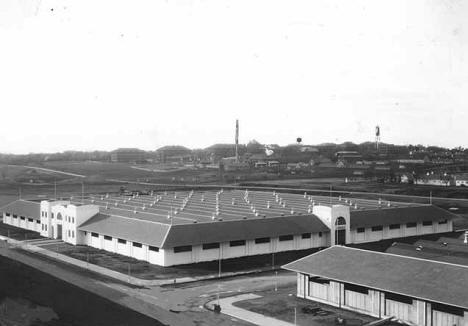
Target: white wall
{"points": [[403, 231]]}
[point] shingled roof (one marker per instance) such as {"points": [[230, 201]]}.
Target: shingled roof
{"points": [[398, 215], [418, 278], [26, 208], [168, 236]]}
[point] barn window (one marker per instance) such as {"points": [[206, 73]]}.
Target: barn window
{"points": [[398, 298], [182, 249], [15, 216], [306, 236], [38, 221], [361, 230], [22, 218], [320, 234], [137, 244], [443, 222], [237, 243], [122, 241], [152, 248], [356, 288], [448, 309], [262, 240], [95, 235], [30, 220], [411, 225], [288, 237], [319, 280], [207, 246], [377, 228], [42, 227], [394, 226], [45, 227], [106, 237], [73, 234], [426, 223], [7, 214]]}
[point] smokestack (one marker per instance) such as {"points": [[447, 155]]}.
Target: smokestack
{"points": [[237, 141]]}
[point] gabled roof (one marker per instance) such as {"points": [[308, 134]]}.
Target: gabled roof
{"points": [[418, 278], [169, 236], [24, 208], [199, 233], [150, 233], [398, 215]]}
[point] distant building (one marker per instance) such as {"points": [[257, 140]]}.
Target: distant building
{"points": [[174, 154], [128, 155], [434, 180], [348, 156], [461, 180]]}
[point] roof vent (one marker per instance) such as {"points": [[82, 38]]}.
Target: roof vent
{"points": [[220, 219], [195, 221], [244, 218]]}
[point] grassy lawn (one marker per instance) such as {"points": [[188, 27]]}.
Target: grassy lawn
{"points": [[282, 303], [17, 233], [145, 270]]}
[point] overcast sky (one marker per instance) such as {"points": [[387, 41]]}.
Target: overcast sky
{"points": [[89, 74]]}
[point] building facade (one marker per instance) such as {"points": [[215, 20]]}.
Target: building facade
{"points": [[416, 291], [156, 229]]}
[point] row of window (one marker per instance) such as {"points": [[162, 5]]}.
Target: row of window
{"points": [[239, 243], [392, 296], [398, 226], [44, 214], [122, 241], [22, 218]]}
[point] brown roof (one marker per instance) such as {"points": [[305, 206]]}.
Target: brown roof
{"points": [[418, 278], [198, 233], [150, 233], [398, 215], [169, 236], [24, 208]]}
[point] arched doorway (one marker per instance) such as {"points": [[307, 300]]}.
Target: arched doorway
{"points": [[340, 231]]}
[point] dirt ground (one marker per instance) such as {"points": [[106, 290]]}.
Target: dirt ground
{"points": [[284, 305]]}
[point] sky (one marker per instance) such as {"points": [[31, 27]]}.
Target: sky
{"points": [[98, 75]]}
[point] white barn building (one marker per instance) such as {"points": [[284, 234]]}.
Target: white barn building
{"points": [[416, 291], [191, 227]]}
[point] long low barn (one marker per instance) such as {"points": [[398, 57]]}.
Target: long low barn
{"points": [[417, 291], [189, 227]]}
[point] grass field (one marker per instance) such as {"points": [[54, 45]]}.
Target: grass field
{"points": [[144, 270], [17, 233]]}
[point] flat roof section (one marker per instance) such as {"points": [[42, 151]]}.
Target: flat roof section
{"points": [[414, 277]]}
